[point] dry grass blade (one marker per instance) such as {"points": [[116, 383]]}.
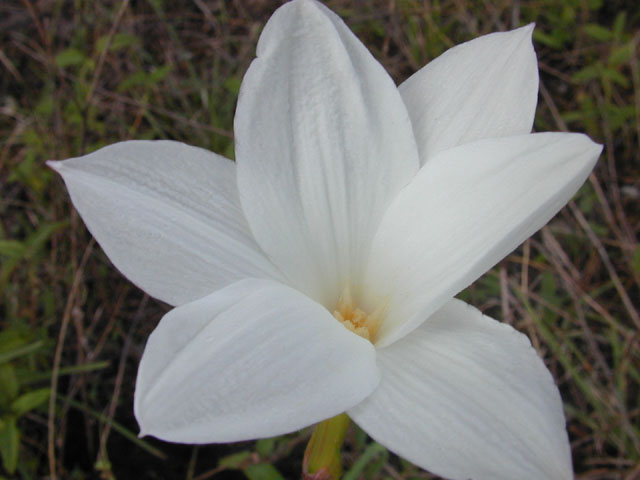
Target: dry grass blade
{"points": [[66, 317]]}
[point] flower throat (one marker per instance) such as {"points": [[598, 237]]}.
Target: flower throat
{"points": [[355, 319]]}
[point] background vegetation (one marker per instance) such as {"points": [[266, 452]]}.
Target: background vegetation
{"points": [[77, 75]]}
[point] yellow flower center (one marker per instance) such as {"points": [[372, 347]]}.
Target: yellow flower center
{"points": [[355, 319]]}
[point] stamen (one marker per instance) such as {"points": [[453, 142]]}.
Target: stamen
{"points": [[355, 319]]}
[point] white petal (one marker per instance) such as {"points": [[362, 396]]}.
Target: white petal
{"points": [[466, 397], [255, 359], [468, 208], [323, 143], [167, 215], [484, 88]]}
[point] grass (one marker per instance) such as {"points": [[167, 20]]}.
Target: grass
{"points": [[77, 75]]}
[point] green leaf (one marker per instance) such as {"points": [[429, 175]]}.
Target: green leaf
{"points": [[5, 356], [144, 79], [45, 107], [30, 377], [618, 25], [11, 338], [42, 235], [367, 456], [9, 443], [8, 384], [635, 263], [262, 471], [235, 460], [134, 80], [160, 73], [616, 77], [69, 58], [29, 401], [621, 54], [118, 42], [34, 243], [232, 84], [11, 248], [265, 446], [548, 40], [588, 73], [549, 288], [597, 32]]}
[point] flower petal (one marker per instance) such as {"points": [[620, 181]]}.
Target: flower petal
{"points": [[167, 215], [255, 359], [484, 88], [467, 208], [465, 397], [323, 144]]}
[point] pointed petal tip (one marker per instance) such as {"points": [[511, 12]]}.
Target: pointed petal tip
{"points": [[306, 3], [307, 8], [556, 166], [529, 28], [145, 427], [54, 165], [302, 11], [597, 148], [315, 88], [525, 32], [591, 149], [484, 88], [522, 36], [296, 5], [143, 431], [579, 146]]}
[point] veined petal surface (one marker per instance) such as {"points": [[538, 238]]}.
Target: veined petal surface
{"points": [[323, 144], [465, 396], [167, 215], [255, 359], [468, 208], [484, 88]]}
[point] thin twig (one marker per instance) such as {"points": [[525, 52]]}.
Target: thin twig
{"points": [[505, 296], [556, 250], [66, 317], [555, 113], [36, 20], [105, 49], [120, 375], [8, 64], [569, 281], [607, 263]]}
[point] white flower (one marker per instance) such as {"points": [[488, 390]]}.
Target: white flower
{"points": [[352, 203]]}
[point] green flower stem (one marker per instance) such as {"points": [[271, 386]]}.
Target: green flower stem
{"points": [[322, 458]]}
